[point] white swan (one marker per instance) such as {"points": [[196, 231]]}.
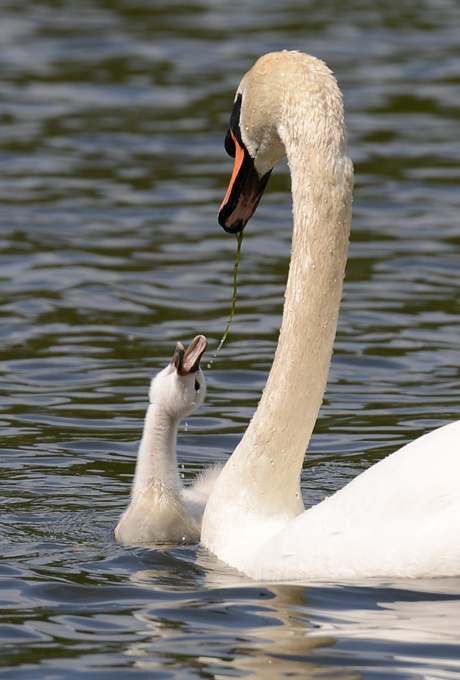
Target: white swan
{"points": [[400, 518], [161, 509]]}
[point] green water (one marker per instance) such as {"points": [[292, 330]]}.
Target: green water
{"points": [[112, 169]]}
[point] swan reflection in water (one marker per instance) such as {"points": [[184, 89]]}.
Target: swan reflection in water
{"points": [[289, 630]]}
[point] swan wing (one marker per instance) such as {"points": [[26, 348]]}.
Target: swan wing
{"points": [[400, 518]]}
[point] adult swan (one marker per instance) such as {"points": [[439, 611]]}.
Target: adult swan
{"points": [[401, 517]]}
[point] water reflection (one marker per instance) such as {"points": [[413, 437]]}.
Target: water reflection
{"points": [[271, 630], [256, 630], [112, 167]]}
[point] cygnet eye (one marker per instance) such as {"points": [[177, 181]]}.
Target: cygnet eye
{"points": [[197, 386]]}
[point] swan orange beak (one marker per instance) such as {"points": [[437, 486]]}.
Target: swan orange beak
{"points": [[244, 191], [187, 360]]}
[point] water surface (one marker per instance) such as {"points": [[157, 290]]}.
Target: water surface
{"points": [[112, 168]]}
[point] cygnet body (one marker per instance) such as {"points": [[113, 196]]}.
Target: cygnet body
{"points": [[161, 509]]}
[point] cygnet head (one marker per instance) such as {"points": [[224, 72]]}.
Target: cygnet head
{"points": [[180, 388]]}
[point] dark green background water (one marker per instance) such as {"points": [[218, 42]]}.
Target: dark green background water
{"points": [[112, 168]]}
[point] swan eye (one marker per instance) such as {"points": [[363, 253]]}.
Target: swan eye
{"points": [[233, 131], [230, 144], [197, 386]]}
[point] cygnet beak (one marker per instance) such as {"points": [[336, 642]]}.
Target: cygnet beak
{"points": [[187, 361]]}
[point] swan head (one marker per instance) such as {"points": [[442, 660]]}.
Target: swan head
{"points": [[180, 388], [283, 90], [254, 144]]}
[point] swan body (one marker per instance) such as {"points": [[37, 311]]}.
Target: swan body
{"points": [[161, 510], [401, 517]]}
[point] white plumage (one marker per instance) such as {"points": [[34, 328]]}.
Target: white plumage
{"points": [[400, 518], [161, 509]]}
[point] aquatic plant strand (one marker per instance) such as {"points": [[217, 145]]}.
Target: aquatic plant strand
{"points": [[239, 240]]}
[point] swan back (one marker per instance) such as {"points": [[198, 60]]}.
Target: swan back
{"points": [[400, 518]]}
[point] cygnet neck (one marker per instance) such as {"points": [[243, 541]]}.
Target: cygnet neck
{"points": [[157, 456]]}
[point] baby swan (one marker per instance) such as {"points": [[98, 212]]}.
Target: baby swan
{"points": [[161, 509]]}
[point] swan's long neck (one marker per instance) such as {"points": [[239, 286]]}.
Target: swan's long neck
{"points": [[292, 397], [157, 458], [278, 435], [262, 477]]}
